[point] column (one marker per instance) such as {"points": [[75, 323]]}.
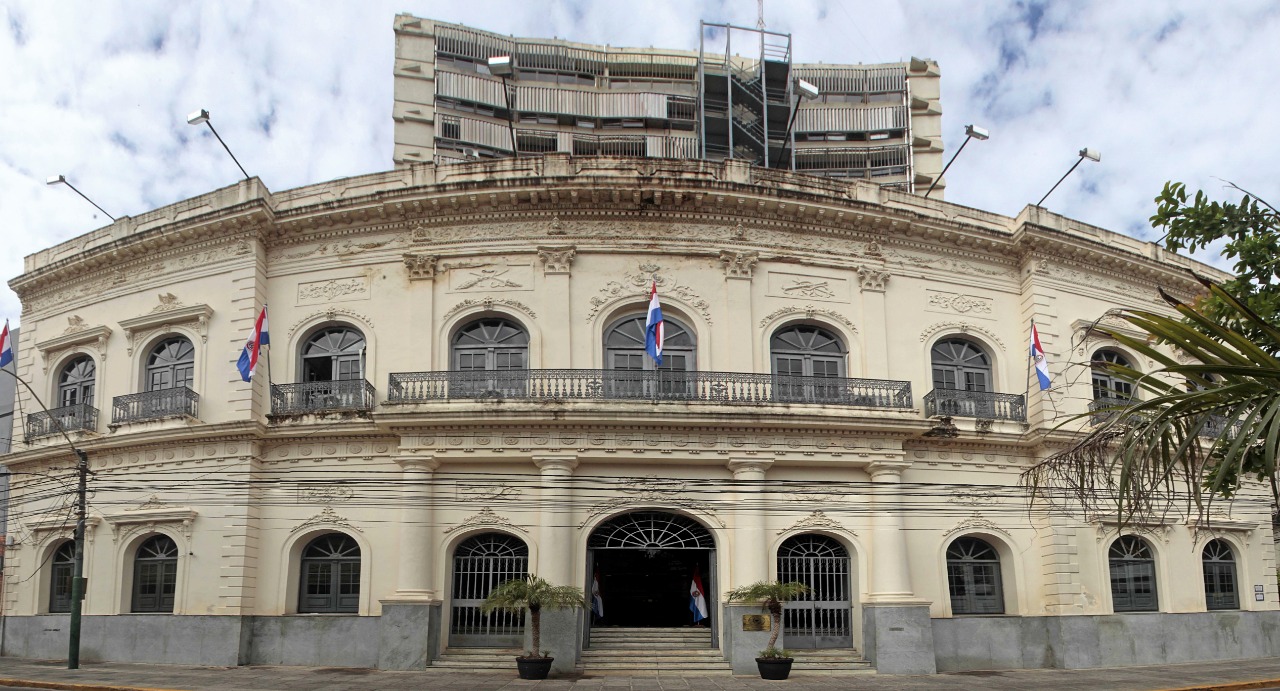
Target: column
{"points": [[749, 562], [409, 628], [561, 629]]}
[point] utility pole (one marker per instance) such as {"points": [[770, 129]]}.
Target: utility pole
{"points": [[77, 567]]}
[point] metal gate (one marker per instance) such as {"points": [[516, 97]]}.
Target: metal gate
{"points": [[480, 564], [823, 618]]}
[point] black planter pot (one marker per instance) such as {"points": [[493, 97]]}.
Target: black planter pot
{"points": [[538, 667], [774, 667]]}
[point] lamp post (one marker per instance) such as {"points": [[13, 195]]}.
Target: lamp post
{"points": [[504, 66], [1091, 154], [970, 132], [201, 117], [805, 92], [55, 179]]}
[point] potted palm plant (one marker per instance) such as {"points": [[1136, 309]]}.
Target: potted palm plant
{"points": [[534, 594], [772, 663]]}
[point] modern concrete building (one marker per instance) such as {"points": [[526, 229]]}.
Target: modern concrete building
{"points": [[457, 393]]}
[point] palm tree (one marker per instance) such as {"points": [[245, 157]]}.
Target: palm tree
{"points": [[533, 593], [1211, 419], [770, 595]]}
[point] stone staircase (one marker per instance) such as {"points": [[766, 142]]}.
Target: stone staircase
{"points": [[830, 662], [648, 651], [483, 660]]}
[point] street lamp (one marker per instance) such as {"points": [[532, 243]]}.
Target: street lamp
{"points": [[1091, 154], [804, 92], [201, 117], [55, 179], [970, 132], [504, 66]]}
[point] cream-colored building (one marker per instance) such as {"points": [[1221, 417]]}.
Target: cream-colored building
{"points": [[459, 394]]}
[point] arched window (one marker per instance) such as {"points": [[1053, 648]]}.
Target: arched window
{"points": [[1106, 385], [333, 353], [491, 358], [76, 382], [960, 364], [480, 564], [801, 354], [155, 575], [1220, 591], [171, 365], [973, 577], [821, 618], [1133, 575], [60, 577], [330, 575], [624, 346]]}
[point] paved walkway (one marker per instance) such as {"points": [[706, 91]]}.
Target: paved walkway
{"points": [[1238, 675]]}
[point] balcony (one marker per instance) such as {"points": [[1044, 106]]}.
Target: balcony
{"points": [[65, 419], [342, 396], [155, 405], [1104, 408], [979, 404], [659, 385]]}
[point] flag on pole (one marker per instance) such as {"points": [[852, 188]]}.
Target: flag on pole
{"points": [[6, 348], [597, 602], [249, 356], [653, 331], [697, 600], [1037, 354]]}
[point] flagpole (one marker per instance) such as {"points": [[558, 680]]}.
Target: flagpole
{"points": [[1030, 363], [269, 382]]}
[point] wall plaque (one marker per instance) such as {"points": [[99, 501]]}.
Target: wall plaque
{"points": [[756, 622]]}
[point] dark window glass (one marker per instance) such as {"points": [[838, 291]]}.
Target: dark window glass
{"points": [[973, 577], [330, 575], [76, 382], [171, 365], [1220, 591], [1133, 575], [625, 353], [155, 575], [332, 354], [960, 364], [60, 577], [1106, 385]]}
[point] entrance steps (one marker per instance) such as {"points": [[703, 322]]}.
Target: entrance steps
{"points": [[479, 659], [830, 662], [683, 650]]}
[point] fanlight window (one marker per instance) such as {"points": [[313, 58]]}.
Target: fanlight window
{"points": [[1220, 590], [624, 346], [491, 344], [651, 530], [1105, 384], [76, 382], [1133, 575], [807, 351], [973, 577], [60, 577], [155, 575], [333, 353], [330, 575], [171, 365], [960, 364]]}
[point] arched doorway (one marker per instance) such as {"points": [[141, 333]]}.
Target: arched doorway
{"points": [[480, 564], [645, 563], [824, 617]]}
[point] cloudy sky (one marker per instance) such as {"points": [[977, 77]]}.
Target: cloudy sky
{"points": [[301, 92]]}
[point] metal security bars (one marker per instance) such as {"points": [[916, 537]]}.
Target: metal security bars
{"points": [[481, 564], [821, 618], [344, 395], [65, 419], [652, 385], [979, 404], [1106, 407], [154, 405]]}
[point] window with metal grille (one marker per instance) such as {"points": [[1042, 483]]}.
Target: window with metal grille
{"points": [[60, 577], [1133, 575], [155, 575], [1107, 385], [76, 382], [822, 617], [651, 530], [1220, 591], [330, 575], [960, 364], [973, 577]]}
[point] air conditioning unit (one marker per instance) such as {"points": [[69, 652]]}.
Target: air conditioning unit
{"points": [[471, 153]]}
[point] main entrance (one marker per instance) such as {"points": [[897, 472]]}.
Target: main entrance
{"points": [[645, 563]]}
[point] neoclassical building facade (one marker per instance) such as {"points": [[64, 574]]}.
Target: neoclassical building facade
{"points": [[456, 393]]}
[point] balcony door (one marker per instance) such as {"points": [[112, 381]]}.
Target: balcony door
{"points": [[631, 373], [76, 382], [803, 356], [490, 359]]}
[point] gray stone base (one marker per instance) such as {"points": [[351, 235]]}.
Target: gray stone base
{"points": [[1113, 640], [561, 638], [898, 638], [409, 635], [741, 647]]}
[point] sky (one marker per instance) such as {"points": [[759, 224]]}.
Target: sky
{"points": [[301, 92]]}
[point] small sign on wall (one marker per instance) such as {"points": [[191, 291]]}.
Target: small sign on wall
{"points": [[1259, 593], [756, 622]]}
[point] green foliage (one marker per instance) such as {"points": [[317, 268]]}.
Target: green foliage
{"points": [[1250, 235], [770, 595], [534, 594], [772, 653]]}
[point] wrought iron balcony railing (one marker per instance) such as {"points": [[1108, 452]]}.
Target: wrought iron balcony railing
{"points": [[649, 385], [155, 405], [344, 395], [1105, 407], [979, 404], [64, 419]]}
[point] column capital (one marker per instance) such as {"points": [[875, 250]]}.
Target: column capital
{"points": [[749, 464], [887, 471], [562, 463], [420, 462]]}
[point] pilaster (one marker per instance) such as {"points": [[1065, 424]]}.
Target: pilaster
{"points": [[750, 560], [739, 268]]}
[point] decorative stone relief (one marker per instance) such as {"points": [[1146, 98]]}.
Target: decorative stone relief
{"points": [[147, 516], [954, 302], [738, 264], [491, 279], [640, 501], [468, 492], [168, 302], [344, 248], [977, 522], [139, 330], [421, 266], [329, 315], [557, 260], [946, 264], [809, 312], [872, 280], [324, 492], [637, 285], [817, 519], [962, 327], [555, 227], [808, 286], [326, 517], [75, 324], [486, 518], [488, 303], [94, 338], [974, 497], [334, 290]]}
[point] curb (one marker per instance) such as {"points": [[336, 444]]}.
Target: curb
{"points": [[1231, 686], [71, 686]]}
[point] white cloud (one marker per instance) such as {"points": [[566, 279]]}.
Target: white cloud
{"points": [[302, 93]]}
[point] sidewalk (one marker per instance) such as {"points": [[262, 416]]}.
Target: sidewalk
{"points": [[1237, 675]]}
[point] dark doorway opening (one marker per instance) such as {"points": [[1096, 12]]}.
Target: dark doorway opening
{"points": [[650, 587]]}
